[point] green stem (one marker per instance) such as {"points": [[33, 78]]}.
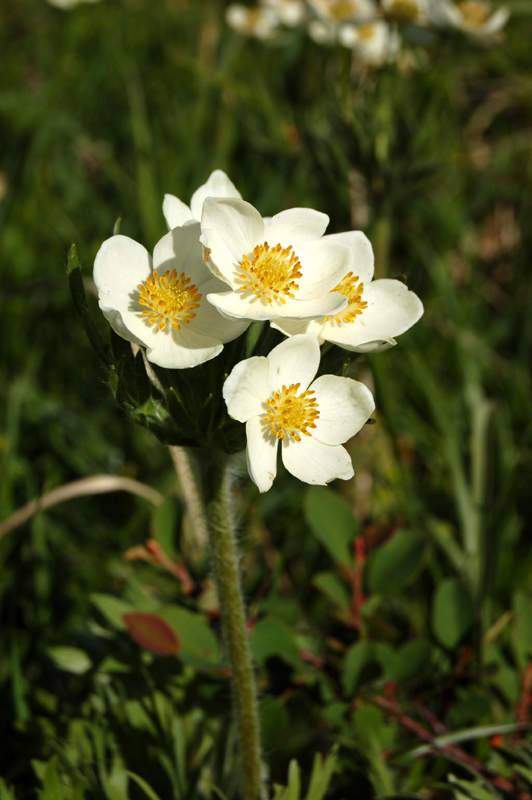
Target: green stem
{"points": [[221, 525]]}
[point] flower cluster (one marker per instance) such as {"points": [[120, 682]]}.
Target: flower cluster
{"points": [[375, 30], [222, 266]]}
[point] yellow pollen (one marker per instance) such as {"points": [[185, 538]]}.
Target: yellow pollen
{"points": [[366, 32], [349, 288], [475, 12], [272, 273], [343, 9], [290, 414], [170, 298]]}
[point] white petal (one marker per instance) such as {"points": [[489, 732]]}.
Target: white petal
{"points": [[238, 304], [231, 228], [344, 405], [323, 264], [182, 250], [175, 212], [295, 227], [210, 322], [314, 462], [496, 21], [235, 304], [218, 185], [180, 349], [392, 309], [116, 322], [120, 265], [246, 389], [261, 453], [364, 260], [295, 360]]}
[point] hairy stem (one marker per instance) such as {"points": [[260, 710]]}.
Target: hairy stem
{"points": [[221, 524]]}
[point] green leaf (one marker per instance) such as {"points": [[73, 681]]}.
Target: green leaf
{"points": [[146, 788], [525, 772], [112, 608], [52, 787], [70, 659], [5, 791], [271, 637], [332, 523], [474, 790], [322, 773], [199, 645], [332, 587], [521, 628], [358, 656], [410, 661], [165, 524], [274, 720], [452, 613], [395, 564], [77, 290]]}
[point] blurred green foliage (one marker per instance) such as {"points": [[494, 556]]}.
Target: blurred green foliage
{"points": [[389, 613]]}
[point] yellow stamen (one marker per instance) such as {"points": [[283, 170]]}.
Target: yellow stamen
{"points": [[343, 9], [475, 12], [170, 298], [366, 32], [349, 288], [290, 414], [272, 273]]}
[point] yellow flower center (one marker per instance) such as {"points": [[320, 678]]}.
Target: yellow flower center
{"points": [[349, 288], [366, 33], [169, 299], [405, 10], [343, 9], [272, 273], [475, 12], [289, 414]]}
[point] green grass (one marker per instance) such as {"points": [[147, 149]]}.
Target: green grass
{"points": [[102, 111]]}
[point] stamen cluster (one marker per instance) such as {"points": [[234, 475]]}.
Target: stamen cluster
{"points": [[272, 272], [169, 298], [290, 414], [349, 288]]}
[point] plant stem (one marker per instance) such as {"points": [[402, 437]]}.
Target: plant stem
{"points": [[221, 524]]}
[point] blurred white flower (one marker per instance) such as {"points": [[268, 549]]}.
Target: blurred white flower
{"points": [[415, 11], [472, 17], [279, 267], [161, 304], [261, 22], [274, 396], [177, 213], [330, 15], [376, 311], [289, 12], [375, 43], [68, 4]]}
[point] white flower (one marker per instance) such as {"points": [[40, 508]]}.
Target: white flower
{"points": [[68, 4], [375, 43], [177, 213], [332, 14], [289, 12], [472, 17], [376, 311], [280, 267], [262, 23], [415, 11], [274, 396], [162, 305]]}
